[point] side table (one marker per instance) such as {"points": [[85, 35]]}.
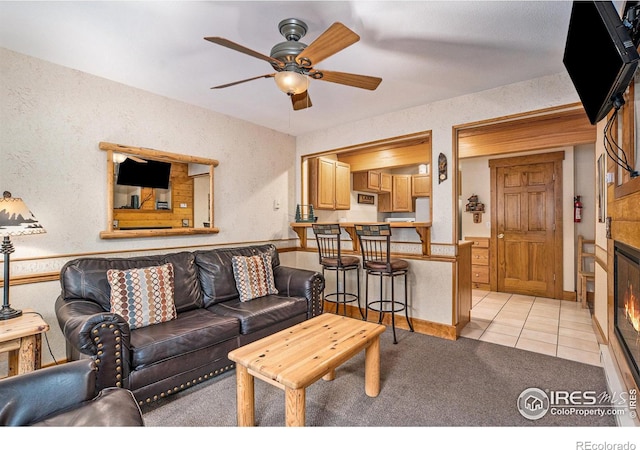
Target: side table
{"points": [[22, 337]]}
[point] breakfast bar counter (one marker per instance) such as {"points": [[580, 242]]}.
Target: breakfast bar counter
{"points": [[422, 228]]}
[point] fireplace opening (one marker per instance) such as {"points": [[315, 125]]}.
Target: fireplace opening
{"points": [[627, 304]]}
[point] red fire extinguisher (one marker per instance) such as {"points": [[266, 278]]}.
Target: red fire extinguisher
{"points": [[577, 209]]}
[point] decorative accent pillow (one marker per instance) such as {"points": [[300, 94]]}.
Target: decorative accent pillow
{"points": [[143, 296], [254, 276]]}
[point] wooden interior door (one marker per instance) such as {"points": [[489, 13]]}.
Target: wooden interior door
{"points": [[527, 228]]}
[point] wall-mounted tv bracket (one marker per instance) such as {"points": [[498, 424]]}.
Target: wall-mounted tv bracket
{"points": [[631, 20]]}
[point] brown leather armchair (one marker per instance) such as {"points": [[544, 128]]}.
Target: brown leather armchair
{"points": [[65, 395]]}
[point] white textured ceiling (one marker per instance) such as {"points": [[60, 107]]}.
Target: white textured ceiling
{"points": [[423, 50]]}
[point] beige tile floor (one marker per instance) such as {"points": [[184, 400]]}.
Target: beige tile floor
{"points": [[553, 327]]}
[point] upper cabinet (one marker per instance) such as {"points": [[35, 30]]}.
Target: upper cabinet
{"points": [[400, 199], [421, 185], [374, 181], [329, 184]]}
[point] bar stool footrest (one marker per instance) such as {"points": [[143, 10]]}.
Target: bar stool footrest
{"points": [[337, 297], [386, 306]]}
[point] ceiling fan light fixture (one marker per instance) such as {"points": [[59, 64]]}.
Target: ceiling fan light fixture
{"points": [[292, 83]]}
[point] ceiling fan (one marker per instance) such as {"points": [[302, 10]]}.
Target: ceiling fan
{"points": [[294, 60]]}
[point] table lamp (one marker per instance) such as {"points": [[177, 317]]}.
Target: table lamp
{"points": [[15, 220]]}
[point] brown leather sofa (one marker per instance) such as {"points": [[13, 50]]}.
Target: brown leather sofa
{"points": [[64, 396], [161, 359]]}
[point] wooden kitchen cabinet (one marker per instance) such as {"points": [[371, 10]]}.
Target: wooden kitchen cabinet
{"points": [[343, 185], [479, 262], [329, 184], [386, 182], [372, 181], [399, 200], [421, 185]]}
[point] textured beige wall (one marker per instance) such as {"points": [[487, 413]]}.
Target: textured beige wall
{"points": [[52, 119]]}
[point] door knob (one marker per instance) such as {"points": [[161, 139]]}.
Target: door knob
{"points": [[501, 235]]}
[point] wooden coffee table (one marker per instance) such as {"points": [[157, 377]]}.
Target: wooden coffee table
{"points": [[297, 357]]}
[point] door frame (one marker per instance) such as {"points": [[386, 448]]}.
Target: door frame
{"points": [[553, 157]]}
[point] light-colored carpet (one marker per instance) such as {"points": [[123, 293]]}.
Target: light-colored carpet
{"points": [[425, 381]]}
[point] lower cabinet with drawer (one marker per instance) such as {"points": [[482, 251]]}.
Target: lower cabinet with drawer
{"points": [[479, 262]]}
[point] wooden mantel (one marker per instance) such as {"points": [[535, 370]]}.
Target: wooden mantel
{"points": [[422, 228]]}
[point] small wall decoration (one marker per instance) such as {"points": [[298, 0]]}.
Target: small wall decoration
{"points": [[304, 213], [366, 199], [442, 168], [475, 207]]}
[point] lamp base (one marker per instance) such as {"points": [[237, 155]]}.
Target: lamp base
{"points": [[7, 312]]}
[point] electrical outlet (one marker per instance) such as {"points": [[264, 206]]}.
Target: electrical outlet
{"points": [[276, 204], [183, 205]]}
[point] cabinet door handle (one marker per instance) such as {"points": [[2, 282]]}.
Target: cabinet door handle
{"points": [[501, 235]]}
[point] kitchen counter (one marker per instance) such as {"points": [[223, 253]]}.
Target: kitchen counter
{"points": [[422, 228]]}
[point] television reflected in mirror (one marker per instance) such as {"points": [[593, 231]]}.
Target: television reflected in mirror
{"points": [[150, 173]]}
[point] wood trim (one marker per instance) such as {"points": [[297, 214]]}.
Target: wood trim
{"points": [[31, 279], [382, 144], [534, 132], [158, 155], [462, 286], [600, 333], [123, 234], [450, 332], [410, 155], [529, 159]]}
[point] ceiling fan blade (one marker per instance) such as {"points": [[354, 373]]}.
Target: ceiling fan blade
{"points": [[247, 51], [271, 75], [350, 79], [301, 101], [337, 37]]}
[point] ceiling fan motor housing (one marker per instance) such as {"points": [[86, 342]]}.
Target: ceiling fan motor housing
{"points": [[292, 29], [287, 51]]}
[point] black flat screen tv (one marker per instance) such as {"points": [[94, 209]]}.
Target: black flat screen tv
{"points": [[152, 174], [599, 56]]}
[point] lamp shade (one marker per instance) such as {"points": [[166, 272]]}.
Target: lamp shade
{"points": [[291, 82], [15, 217]]}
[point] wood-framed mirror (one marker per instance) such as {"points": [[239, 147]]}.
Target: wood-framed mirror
{"points": [[153, 193]]}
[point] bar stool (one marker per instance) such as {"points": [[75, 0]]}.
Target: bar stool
{"points": [[331, 258], [375, 244]]}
